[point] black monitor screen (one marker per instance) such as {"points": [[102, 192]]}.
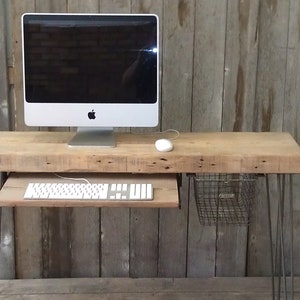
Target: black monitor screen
{"points": [[90, 58]]}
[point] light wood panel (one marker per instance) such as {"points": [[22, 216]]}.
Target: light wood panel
{"points": [[165, 193], [223, 152]]}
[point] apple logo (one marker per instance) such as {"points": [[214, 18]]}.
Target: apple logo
{"points": [[92, 115]]}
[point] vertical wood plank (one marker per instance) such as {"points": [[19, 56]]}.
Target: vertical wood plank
{"points": [[292, 87], [231, 250], [291, 121], [115, 242], [271, 72], [49, 6], [173, 224], [56, 226], [259, 258], [177, 44], [268, 115], [18, 8], [28, 237], [87, 6], [209, 49], [7, 246], [55, 6], [28, 222], [7, 253], [56, 242], [240, 70], [4, 124], [208, 81], [85, 242], [238, 105], [115, 222], [201, 244], [115, 6], [143, 242]]}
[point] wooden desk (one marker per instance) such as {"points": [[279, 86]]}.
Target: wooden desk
{"points": [[222, 152]]}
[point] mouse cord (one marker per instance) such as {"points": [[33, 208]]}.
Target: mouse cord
{"points": [[172, 130], [71, 178]]}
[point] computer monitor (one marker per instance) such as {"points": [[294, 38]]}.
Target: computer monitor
{"points": [[91, 71]]}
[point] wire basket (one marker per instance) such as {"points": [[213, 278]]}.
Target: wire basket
{"points": [[224, 198]]}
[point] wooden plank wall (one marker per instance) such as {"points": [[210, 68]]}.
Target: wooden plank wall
{"points": [[226, 65]]}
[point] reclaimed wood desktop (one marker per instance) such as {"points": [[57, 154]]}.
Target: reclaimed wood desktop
{"points": [[221, 152]]}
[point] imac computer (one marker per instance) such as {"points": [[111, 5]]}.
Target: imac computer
{"points": [[91, 71]]}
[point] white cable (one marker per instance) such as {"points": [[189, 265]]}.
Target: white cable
{"points": [[162, 132], [72, 178], [172, 130]]}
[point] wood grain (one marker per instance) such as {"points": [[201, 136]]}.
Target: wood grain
{"points": [[270, 102], [177, 33], [241, 54], [4, 118], [143, 288], [165, 190], [206, 115], [221, 152], [114, 223], [7, 244]]}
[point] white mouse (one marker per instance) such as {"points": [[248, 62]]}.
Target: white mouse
{"points": [[163, 145]]}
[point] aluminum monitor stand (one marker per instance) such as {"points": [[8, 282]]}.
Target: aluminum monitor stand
{"points": [[93, 137]]}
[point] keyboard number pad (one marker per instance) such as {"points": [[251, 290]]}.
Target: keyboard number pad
{"points": [[130, 191]]}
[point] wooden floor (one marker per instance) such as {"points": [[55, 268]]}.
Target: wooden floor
{"points": [[257, 288]]}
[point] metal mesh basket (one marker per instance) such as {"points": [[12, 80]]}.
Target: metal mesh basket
{"points": [[224, 198]]}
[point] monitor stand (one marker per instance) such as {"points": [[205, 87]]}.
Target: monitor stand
{"points": [[93, 137]]}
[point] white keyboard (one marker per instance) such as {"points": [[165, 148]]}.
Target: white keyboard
{"points": [[86, 191]]}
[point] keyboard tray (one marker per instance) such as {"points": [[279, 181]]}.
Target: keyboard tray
{"points": [[165, 190]]}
